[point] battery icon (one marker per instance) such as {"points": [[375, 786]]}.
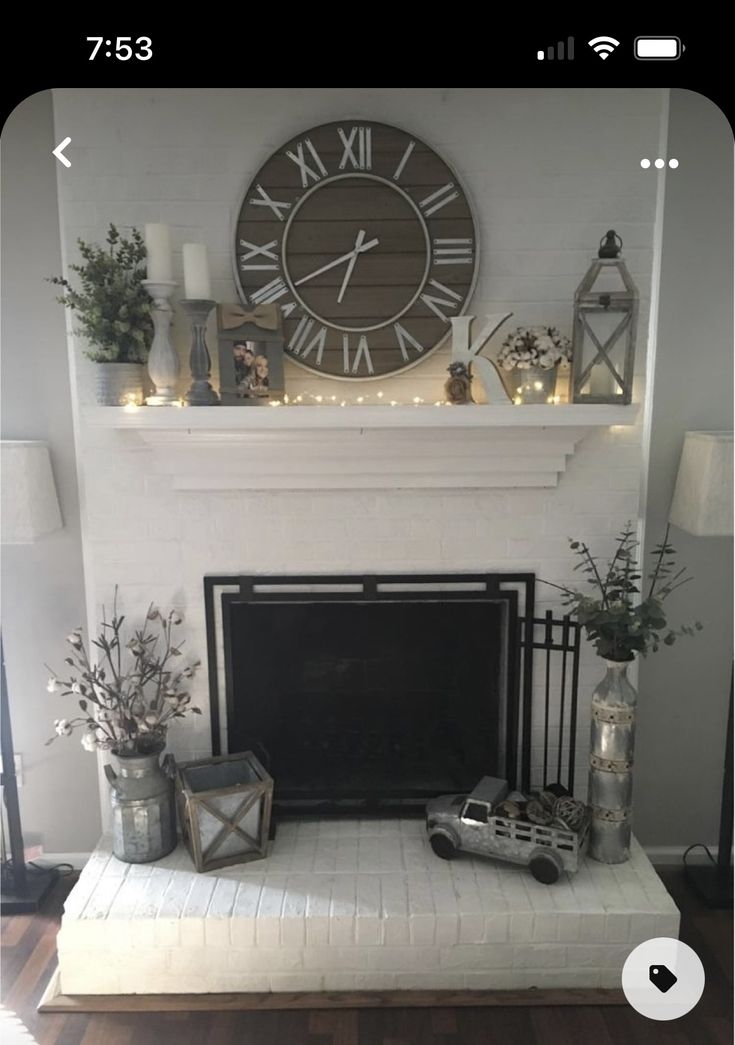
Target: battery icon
{"points": [[657, 48]]}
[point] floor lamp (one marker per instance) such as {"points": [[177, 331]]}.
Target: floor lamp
{"points": [[703, 506], [30, 511]]}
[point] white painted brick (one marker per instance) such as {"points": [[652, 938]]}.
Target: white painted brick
{"points": [[261, 959], [477, 956], [368, 926], [430, 981], [598, 955], [617, 928], [347, 959], [406, 922], [402, 959], [592, 927], [545, 927], [268, 915], [394, 910], [317, 911], [342, 912], [539, 956], [302, 981]]}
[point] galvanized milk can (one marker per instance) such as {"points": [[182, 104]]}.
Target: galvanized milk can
{"points": [[611, 765], [143, 808]]}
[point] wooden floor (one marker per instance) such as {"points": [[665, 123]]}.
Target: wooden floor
{"points": [[28, 959]]}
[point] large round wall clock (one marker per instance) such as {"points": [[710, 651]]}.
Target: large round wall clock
{"points": [[365, 239]]}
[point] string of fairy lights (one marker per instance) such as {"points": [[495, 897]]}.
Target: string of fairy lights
{"points": [[132, 402]]}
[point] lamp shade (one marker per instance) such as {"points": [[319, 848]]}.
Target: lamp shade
{"points": [[30, 507], [702, 503]]}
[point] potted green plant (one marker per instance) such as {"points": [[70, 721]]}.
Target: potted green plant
{"points": [[112, 309], [128, 695], [620, 621]]}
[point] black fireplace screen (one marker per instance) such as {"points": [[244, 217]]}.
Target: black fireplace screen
{"points": [[373, 694]]}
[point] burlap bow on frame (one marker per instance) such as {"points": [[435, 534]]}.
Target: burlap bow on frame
{"points": [[264, 316]]}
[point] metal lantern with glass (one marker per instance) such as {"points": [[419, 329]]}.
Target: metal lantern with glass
{"points": [[605, 321]]}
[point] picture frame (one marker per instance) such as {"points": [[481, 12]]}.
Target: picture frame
{"points": [[250, 350]]}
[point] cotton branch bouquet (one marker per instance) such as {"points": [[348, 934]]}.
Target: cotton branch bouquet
{"points": [[538, 346], [616, 619], [133, 691]]}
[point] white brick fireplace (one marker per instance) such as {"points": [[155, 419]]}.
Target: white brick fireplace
{"points": [[167, 500]]}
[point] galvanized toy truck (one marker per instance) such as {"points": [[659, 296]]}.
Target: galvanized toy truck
{"points": [[467, 823]]}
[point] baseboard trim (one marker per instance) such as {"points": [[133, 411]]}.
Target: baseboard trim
{"points": [[53, 1001], [77, 860], [674, 854]]}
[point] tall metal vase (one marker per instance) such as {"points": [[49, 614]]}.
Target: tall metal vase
{"points": [[143, 806], [611, 765]]}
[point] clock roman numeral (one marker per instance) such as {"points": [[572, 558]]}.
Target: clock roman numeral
{"points": [[254, 251], [270, 292], [265, 201], [363, 352], [302, 347], [303, 164], [451, 301], [403, 160], [452, 252], [439, 199], [404, 339], [364, 159]]}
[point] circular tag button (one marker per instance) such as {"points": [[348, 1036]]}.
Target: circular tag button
{"points": [[663, 978]]}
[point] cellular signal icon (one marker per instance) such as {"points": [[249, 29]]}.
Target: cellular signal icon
{"points": [[603, 46], [564, 51]]}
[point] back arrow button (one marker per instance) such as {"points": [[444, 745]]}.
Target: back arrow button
{"points": [[58, 152]]}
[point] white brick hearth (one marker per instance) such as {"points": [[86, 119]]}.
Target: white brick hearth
{"points": [[353, 905]]}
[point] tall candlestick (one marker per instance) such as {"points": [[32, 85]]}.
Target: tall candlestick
{"points": [[196, 272], [158, 248], [163, 360], [201, 392]]}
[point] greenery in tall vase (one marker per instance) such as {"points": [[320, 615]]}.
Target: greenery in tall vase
{"points": [[112, 307], [618, 618]]}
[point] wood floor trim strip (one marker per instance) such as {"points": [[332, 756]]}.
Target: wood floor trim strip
{"points": [[54, 1001]]}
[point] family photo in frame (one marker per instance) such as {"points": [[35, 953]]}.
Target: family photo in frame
{"points": [[250, 348]]}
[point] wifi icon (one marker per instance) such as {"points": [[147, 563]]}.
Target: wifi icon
{"points": [[604, 45]]}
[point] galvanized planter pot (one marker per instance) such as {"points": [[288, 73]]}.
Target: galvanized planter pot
{"points": [[612, 742], [225, 809], [118, 384], [533, 384], [143, 807]]}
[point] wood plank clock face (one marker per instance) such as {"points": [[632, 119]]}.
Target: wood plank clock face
{"points": [[365, 239]]}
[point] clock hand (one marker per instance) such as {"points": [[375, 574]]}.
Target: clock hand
{"points": [[337, 261], [351, 265]]}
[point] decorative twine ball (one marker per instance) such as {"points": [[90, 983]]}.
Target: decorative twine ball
{"points": [[548, 800], [537, 814], [569, 813], [508, 809]]}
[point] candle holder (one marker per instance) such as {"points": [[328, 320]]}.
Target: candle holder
{"points": [[163, 360], [201, 392]]}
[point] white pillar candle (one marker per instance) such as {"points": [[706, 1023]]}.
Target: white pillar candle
{"points": [[158, 246], [196, 272]]}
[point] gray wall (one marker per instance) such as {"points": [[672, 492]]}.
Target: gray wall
{"points": [[43, 583], [684, 689]]}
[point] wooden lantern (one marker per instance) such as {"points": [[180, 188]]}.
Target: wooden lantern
{"points": [[224, 809], [605, 321]]}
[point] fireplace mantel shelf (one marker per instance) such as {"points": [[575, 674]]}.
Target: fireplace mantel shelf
{"points": [[359, 447], [354, 418]]}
